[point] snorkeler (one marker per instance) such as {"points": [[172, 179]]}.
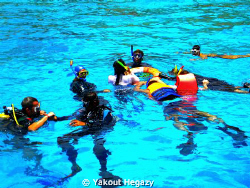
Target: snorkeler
{"points": [[24, 120], [95, 120], [214, 83], [79, 85], [137, 57], [122, 76], [196, 52]]}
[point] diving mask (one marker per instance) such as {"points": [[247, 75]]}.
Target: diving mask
{"points": [[137, 56], [83, 73], [195, 52]]}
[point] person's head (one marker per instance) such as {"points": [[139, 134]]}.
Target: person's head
{"points": [[196, 50], [138, 56], [183, 72], [175, 71], [31, 106], [90, 101], [81, 72], [120, 69]]}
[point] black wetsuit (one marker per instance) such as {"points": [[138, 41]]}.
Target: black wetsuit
{"points": [[80, 87], [98, 117]]}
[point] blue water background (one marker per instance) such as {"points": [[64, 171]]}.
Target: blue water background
{"points": [[37, 41]]}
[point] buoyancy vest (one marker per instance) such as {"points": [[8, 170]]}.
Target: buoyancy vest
{"points": [[155, 86]]}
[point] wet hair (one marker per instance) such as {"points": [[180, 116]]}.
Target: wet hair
{"points": [[138, 52], [91, 98], [184, 72], [197, 47], [119, 70], [28, 103]]}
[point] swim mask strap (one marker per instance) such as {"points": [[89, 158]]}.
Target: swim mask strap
{"points": [[120, 63]]}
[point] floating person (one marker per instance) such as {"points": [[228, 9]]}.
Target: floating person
{"points": [[157, 89], [95, 120], [186, 84], [27, 119], [214, 83], [79, 85], [197, 52]]}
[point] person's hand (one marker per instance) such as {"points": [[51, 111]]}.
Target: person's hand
{"points": [[51, 116], [42, 112], [106, 91], [75, 123], [206, 82]]}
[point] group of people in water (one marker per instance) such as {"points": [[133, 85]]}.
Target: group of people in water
{"points": [[97, 112]]}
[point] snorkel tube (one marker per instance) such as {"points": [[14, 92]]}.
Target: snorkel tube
{"points": [[132, 51], [180, 70], [76, 72], [120, 63], [175, 70], [71, 66]]}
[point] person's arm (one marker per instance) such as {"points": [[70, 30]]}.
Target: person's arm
{"points": [[135, 80], [138, 88], [204, 56], [232, 56], [36, 125], [104, 91], [75, 123]]}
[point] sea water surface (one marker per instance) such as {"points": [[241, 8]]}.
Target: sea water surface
{"points": [[39, 38]]}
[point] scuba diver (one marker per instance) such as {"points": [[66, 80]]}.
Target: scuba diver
{"points": [[122, 76], [79, 85], [214, 83], [95, 120], [137, 57], [25, 120], [197, 52]]}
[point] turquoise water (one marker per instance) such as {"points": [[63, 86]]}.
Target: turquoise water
{"points": [[38, 39]]}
